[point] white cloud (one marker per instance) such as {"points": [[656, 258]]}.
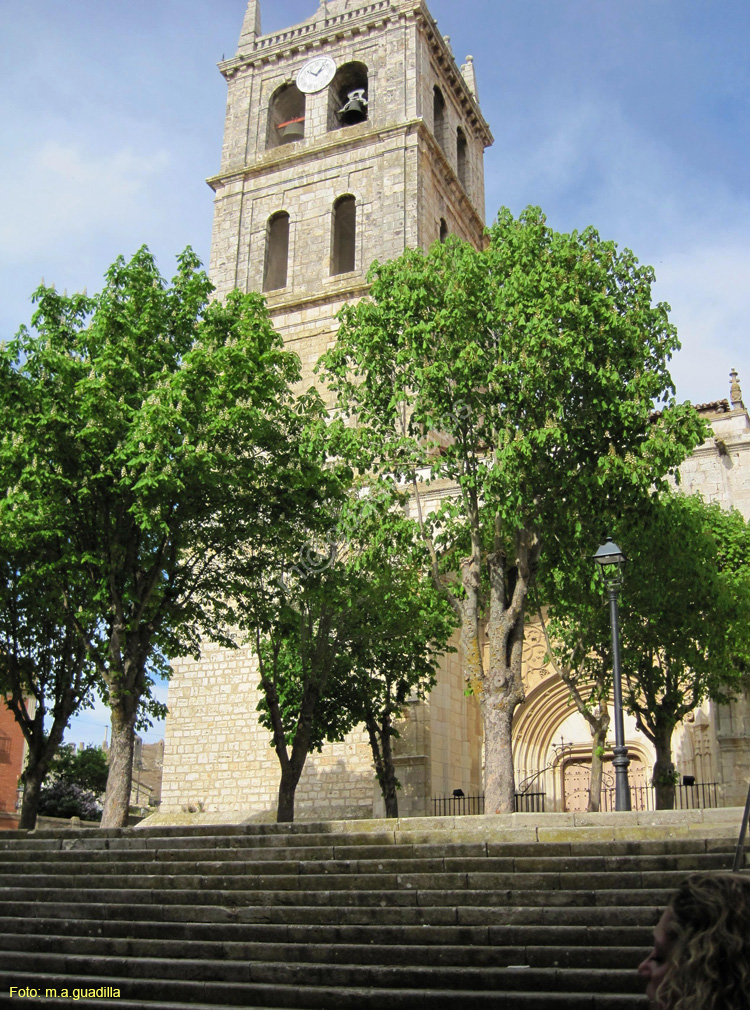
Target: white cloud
{"points": [[587, 162], [708, 287], [70, 193]]}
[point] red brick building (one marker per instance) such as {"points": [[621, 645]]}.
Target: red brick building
{"points": [[12, 749]]}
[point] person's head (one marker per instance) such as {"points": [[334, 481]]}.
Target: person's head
{"points": [[701, 954]]}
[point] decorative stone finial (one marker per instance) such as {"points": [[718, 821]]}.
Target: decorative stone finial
{"points": [[447, 40], [251, 25], [735, 393], [469, 75]]}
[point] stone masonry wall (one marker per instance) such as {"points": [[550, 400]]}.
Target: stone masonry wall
{"points": [[719, 470], [218, 757]]}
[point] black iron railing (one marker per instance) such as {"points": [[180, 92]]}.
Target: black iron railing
{"points": [[700, 796], [529, 803], [456, 806]]}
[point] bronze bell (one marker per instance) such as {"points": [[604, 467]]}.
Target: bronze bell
{"points": [[293, 129], [355, 110]]}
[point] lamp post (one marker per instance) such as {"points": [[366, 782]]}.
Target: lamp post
{"points": [[610, 559]]}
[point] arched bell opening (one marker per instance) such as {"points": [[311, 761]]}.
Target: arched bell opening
{"points": [[348, 102], [286, 116]]}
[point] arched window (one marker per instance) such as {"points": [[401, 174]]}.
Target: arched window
{"points": [[343, 253], [443, 229], [348, 99], [462, 167], [286, 116], [277, 252], [438, 116]]}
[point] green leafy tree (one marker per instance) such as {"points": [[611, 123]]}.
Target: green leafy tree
{"points": [[349, 629], [395, 652], [395, 660], [77, 780], [289, 616], [148, 439], [303, 667], [684, 617], [520, 380], [45, 674], [87, 767], [688, 628]]}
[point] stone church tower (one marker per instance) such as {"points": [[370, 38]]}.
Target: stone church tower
{"points": [[348, 138]]}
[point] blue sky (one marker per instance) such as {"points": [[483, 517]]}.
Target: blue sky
{"points": [[629, 115]]}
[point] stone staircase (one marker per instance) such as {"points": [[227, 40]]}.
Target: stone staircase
{"points": [[527, 912]]}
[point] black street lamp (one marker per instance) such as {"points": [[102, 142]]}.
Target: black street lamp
{"points": [[610, 559]]}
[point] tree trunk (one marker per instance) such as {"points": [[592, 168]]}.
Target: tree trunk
{"points": [[599, 739], [41, 749], [499, 779], [502, 687], [391, 799], [382, 758], [33, 779], [291, 767], [287, 788], [117, 797], [389, 786], [664, 770]]}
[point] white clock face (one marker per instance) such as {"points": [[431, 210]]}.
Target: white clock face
{"points": [[316, 75]]}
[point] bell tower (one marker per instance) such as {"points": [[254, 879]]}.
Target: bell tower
{"points": [[348, 138]]}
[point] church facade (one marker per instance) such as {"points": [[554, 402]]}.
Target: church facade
{"points": [[349, 138]]}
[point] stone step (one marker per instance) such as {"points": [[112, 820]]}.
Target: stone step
{"points": [[125, 1004], [150, 978], [109, 864], [325, 998], [186, 886], [478, 915], [350, 846], [27, 931], [432, 898], [337, 917], [541, 956]]}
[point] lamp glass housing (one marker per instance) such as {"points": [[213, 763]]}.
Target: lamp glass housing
{"points": [[611, 561]]}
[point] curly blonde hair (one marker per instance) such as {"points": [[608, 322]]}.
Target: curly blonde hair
{"points": [[709, 952]]}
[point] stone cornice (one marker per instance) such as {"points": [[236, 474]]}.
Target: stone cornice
{"points": [[711, 448], [281, 158], [294, 302], [289, 154]]}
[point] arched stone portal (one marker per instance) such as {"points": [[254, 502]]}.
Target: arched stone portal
{"points": [[552, 742]]}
